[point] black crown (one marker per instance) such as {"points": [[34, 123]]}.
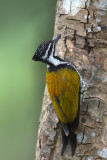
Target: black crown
{"points": [[42, 48]]}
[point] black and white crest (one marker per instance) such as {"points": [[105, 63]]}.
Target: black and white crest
{"points": [[46, 53], [43, 51]]}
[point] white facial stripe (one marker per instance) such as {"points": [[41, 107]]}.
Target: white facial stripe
{"points": [[55, 61], [46, 55]]}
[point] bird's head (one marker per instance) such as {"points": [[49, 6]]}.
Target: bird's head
{"points": [[46, 51]]}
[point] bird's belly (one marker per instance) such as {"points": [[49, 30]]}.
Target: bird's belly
{"points": [[64, 85]]}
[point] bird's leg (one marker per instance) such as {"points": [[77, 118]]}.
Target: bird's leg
{"points": [[99, 78], [85, 85], [95, 74]]}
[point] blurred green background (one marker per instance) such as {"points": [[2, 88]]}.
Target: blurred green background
{"points": [[24, 24]]}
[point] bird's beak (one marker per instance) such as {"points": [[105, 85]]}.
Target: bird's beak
{"points": [[35, 58], [57, 38]]}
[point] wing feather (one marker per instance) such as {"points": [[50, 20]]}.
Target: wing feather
{"points": [[64, 85]]}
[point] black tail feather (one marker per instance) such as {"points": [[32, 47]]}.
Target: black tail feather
{"points": [[72, 137], [73, 142], [68, 133], [64, 141]]}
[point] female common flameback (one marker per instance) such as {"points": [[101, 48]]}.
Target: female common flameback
{"points": [[64, 86], [63, 82]]}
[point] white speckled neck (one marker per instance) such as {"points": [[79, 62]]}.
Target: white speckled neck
{"points": [[55, 61]]}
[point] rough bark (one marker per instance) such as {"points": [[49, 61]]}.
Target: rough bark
{"points": [[83, 26]]}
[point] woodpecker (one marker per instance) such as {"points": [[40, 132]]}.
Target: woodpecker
{"points": [[65, 86]]}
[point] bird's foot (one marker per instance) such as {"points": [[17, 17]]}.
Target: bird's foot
{"points": [[95, 75]]}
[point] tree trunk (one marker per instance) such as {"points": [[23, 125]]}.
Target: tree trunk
{"points": [[83, 28]]}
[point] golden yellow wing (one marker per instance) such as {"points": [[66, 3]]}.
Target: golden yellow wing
{"points": [[64, 86]]}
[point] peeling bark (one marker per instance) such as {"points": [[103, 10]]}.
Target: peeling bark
{"points": [[83, 26]]}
